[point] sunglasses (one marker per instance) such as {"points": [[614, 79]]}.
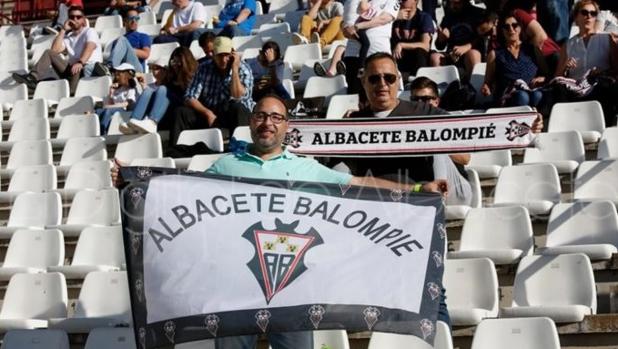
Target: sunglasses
{"points": [[507, 26], [388, 78], [260, 116], [423, 98], [76, 16], [133, 19], [585, 13]]}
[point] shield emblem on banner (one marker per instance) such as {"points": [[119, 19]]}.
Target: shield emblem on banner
{"points": [[279, 255]]}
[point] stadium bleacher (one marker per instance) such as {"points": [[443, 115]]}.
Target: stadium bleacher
{"points": [[532, 261]]}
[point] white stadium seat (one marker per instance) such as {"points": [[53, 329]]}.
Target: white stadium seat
{"points": [[269, 28], [74, 106], [307, 71], [333, 339], [242, 43], [458, 211], [10, 94], [502, 234], [52, 91], [596, 180], [36, 339], [298, 54], [471, 290], [108, 35], [212, 137], [27, 129], [77, 126], [36, 178], [284, 40], [196, 50], [339, 105], [166, 162], [608, 145], [87, 175], [559, 287], [103, 302], [28, 153], [585, 227], [534, 186], [139, 147], [325, 87], [27, 108], [201, 163], [47, 205], [95, 87], [288, 85], [107, 22], [488, 164], [528, 333], [81, 149], [97, 249], [162, 51], [32, 299], [442, 76], [105, 338], [152, 30], [92, 208], [585, 117], [565, 150], [382, 340], [242, 133], [32, 251], [147, 17]]}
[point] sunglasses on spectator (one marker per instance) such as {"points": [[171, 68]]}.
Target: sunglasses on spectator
{"points": [[507, 26], [423, 98], [260, 116], [585, 13], [133, 19], [76, 16], [388, 78]]}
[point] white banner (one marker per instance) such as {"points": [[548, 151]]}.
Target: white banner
{"points": [[395, 136], [275, 259]]}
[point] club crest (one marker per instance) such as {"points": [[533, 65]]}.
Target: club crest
{"points": [[212, 324], [139, 289], [437, 258], [316, 314], [137, 195], [262, 318], [441, 230], [396, 194], [141, 333], [344, 188], [143, 172], [516, 129], [136, 242], [279, 255], [434, 290], [293, 138], [371, 316], [169, 328], [426, 328]]}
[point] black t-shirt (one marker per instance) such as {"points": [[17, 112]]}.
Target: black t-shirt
{"points": [[417, 168], [462, 25], [411, 30]]}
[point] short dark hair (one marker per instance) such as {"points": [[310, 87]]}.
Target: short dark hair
{"points": [[423, 82], [487, 17], [278, 98], [272, 44], [379, 55], [205, 38], [76, 8]]}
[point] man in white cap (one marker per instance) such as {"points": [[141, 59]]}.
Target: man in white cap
{"points": [[219, 95]]}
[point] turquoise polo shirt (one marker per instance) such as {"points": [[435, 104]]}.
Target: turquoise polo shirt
{"points": [[285, 166]]}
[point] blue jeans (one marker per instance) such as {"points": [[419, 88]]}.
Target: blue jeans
{"points": [[184, 39], [554, 14], [123, 52], [152, 103], [529, 98], [232, 30], [105, 117], [286, 340]]}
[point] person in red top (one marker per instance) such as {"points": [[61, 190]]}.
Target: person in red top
{"points": [[524, 12]]}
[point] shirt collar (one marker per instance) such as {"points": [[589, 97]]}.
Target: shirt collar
{"points": [[285, 154]]}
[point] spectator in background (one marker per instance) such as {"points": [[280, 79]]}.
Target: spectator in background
{"points": [[185, 24], [456, 33], [117, 7], [132, 48], [219, 94], [122, 94], [525, 13], [554, 14], [378, 30], [82, 47], [448, 167], [207, 43], [181, 69], [268, 69], [487, 34], [236, 18], [411, 38], [321, 24], [589, 56], [515, 70]]}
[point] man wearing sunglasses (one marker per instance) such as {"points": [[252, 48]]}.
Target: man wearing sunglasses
{"points": [[132, 48], [82, 47]]}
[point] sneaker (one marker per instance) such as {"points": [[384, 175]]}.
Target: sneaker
{"points": [[340, 66], [101, 69], [143, 126], [27, 79], [125, 129], [299, 39], [319, 70], [315, 38]]}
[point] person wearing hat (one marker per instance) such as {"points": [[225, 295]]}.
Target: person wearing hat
{"points": [[122, 94], [219, 94]]}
